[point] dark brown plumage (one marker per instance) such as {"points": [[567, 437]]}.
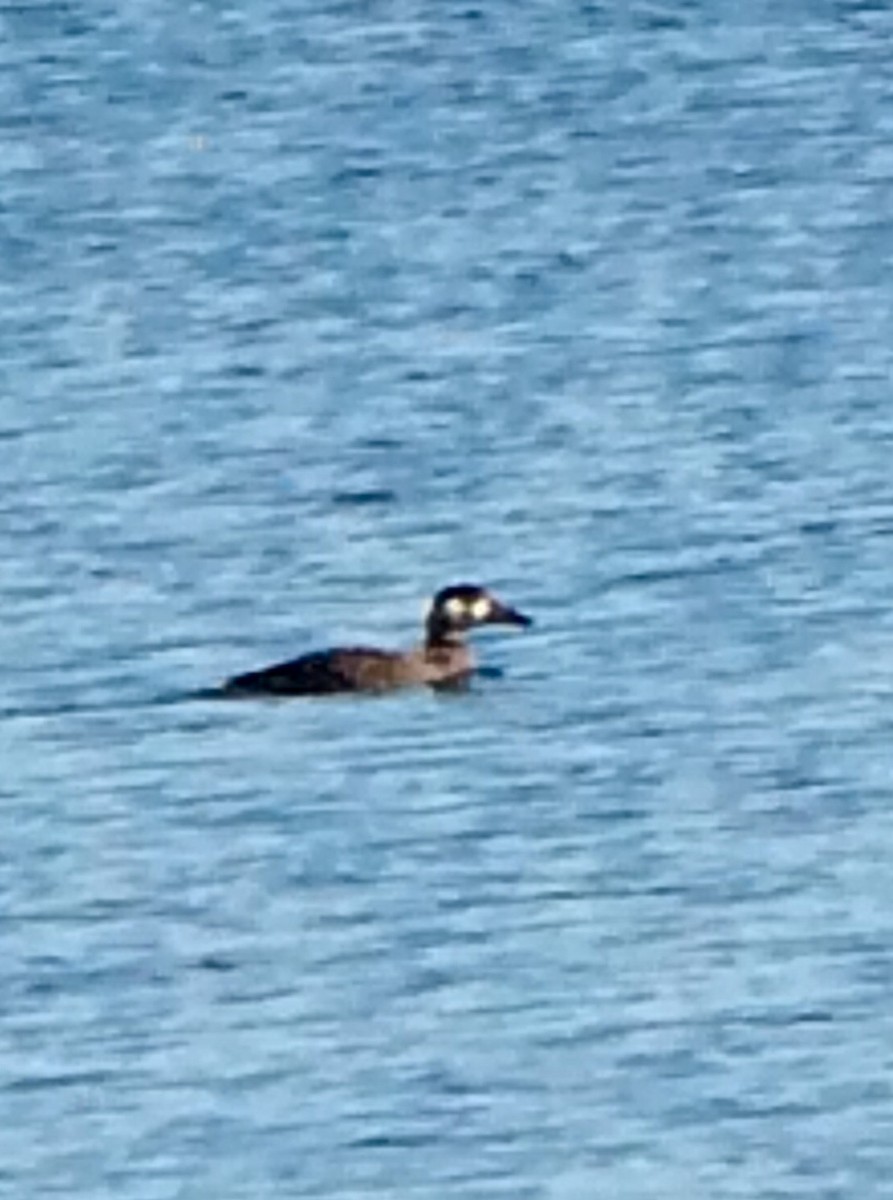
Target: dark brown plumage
{"points": [[443, 659]]}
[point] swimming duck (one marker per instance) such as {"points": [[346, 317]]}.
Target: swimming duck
{"points": [[442, 660]]}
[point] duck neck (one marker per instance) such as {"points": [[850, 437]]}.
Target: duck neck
{"points": [[439, 635]]}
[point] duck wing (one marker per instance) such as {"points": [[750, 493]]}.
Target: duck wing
{"points": [[322, 673]]}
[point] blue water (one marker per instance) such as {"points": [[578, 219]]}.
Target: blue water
{"points": [[306, 310]]}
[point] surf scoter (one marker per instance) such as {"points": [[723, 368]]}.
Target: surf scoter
{"points": [[442, 660]]}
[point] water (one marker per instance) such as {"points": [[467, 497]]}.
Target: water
{"points": [[306, 311]]}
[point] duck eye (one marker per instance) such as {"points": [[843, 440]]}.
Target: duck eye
{"points": [[480, 608], [455, 608]]}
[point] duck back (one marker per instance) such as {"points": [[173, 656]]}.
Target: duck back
{"points": [[355, 669]]}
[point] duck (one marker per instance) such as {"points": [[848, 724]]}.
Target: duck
{"points": [[442, 660]]}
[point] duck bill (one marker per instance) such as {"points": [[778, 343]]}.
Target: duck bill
{"points": [[501, 614]]}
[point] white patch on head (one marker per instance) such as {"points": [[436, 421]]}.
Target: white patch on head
{"points": [[480, 608], [455, 607]]}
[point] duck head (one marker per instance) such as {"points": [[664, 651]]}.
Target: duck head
{"points": [[464, 606]]}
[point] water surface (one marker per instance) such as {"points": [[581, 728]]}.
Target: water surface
{"points": [[304, 312]]}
